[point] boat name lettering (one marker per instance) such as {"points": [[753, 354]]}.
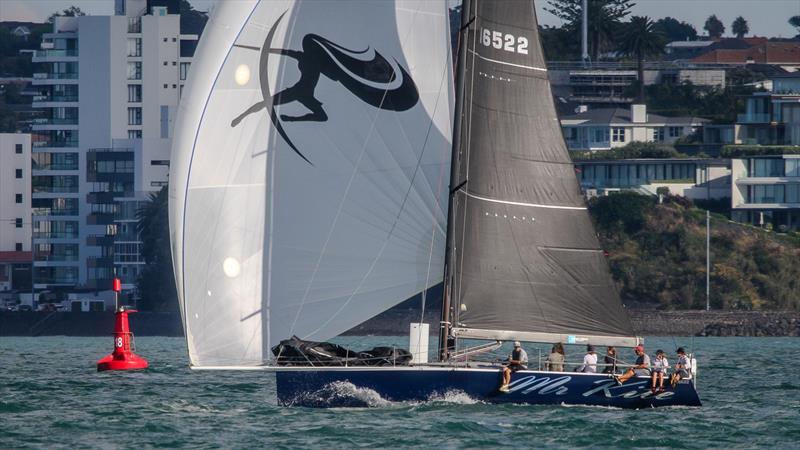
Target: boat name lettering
{"points": [[544, 385], [504, 41], [611, 390]]}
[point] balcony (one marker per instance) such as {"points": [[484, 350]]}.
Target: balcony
{"points": [[64, 166], [54, 235], [55, 99], [56, 121], [100, 219], [56, 76], [753, 118], [40, 55], [54, 212], [56, 144]]}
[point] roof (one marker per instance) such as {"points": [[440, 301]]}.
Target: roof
{"points": [[15, 257], [766, 53], [621, 116]]}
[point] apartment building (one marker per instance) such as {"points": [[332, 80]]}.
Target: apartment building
{"points": [[15, 211], [109, 86]]}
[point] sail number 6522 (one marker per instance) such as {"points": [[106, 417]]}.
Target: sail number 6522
{"points": [[503, 41]]}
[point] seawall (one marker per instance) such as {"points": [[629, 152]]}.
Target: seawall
{"points": [[646, 323]]}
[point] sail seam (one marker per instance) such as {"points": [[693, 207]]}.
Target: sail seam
{"points": [[540, 69], [532, 205]]}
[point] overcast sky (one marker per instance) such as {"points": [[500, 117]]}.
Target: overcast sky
{"points": [[765, 17]]}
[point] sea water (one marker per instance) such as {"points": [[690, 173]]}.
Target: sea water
{"points": [[52, 397]]}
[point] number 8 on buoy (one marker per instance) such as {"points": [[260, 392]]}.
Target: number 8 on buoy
{"points": [[119, 342]]}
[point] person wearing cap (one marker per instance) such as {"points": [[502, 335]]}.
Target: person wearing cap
{"points": [[660, 366], [589, 361], [516, 361], [683, 368], [640, 368]]}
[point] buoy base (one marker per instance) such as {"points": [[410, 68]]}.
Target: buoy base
{"points": [[130, 361]]}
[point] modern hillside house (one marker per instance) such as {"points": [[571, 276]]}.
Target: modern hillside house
{"points": [[607, 128], [109, 86], [766, 191]]}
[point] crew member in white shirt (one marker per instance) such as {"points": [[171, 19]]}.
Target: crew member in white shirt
{"points": [[589, 361]]}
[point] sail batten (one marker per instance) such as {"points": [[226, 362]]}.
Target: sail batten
{"points": [[525, 262]]}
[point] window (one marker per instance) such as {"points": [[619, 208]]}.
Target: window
{"points": [[675, 132], [134, 116], [17, 198], [174, 63], [135, 70], [658, 134], [134, 93], [165, 39], [18, 222], [793, 193], [174, 86], [767, 167], [159, 162], [135, 47], [18, 173], [166, 86], [134, 24], [18, 148], [165, 63], [134, 134], [184, 69], [18, 246], [793, 167], [601, 135], [618, 134]]}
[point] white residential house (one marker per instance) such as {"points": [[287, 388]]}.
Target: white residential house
{"points": [[607, 128]]}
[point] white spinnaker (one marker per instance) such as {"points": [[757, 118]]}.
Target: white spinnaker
{"points": [[268, 245]]}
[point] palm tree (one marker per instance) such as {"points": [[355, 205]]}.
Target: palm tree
{"points": [[740, 27], [795, 22], [639, 40]]}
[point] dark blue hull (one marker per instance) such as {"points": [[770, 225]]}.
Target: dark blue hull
{"points": [[338, 387]]}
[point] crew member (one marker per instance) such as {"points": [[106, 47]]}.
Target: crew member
{"points": [[517, 360]]}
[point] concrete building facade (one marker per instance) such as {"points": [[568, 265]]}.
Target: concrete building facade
{"points": [[110, 86], [15, 211]]}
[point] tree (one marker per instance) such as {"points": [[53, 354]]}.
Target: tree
{"points": [[72, 11], [640, 40], [604, 20], [740, 27], [714, 26], [156, 283], [795, 22], [674, 30], [192, 21]]}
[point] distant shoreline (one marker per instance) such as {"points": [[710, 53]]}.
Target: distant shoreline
{"points": [[395, 322]]}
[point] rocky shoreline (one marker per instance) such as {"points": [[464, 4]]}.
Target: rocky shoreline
{"points": [[646, 322]]}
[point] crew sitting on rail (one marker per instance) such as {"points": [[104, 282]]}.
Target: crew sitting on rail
{"points": [[683, 368], [660, 366], [516, 361], [641, 368]]}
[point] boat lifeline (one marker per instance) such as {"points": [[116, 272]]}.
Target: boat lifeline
{"points": [[321, 148]]}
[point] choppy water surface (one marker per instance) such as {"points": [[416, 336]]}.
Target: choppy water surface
{"points": [[51, 396]]}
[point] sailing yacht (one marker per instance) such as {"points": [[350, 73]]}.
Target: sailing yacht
{"points": [[327, 166]]}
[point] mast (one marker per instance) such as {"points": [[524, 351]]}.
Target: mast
{"points": [[445, 325]]}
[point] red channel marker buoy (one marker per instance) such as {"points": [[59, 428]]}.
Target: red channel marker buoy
{"points": [[122, 358]]}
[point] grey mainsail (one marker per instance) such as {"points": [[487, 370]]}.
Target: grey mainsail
{"points": [[523, 259]]}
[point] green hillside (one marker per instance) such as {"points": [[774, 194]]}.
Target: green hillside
{"points": [[657, 254]]}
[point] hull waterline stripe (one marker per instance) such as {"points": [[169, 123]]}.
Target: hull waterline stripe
{"points": [[540, 69], [532, 205]]}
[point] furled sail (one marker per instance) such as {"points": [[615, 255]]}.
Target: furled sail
{"points": [[309, 172], [525, 261]]}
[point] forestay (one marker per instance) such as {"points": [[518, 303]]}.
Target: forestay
{"points": [[310, 167], [525, 261]]}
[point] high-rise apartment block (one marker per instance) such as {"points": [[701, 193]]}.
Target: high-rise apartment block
{"points": [[110, 86]]}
